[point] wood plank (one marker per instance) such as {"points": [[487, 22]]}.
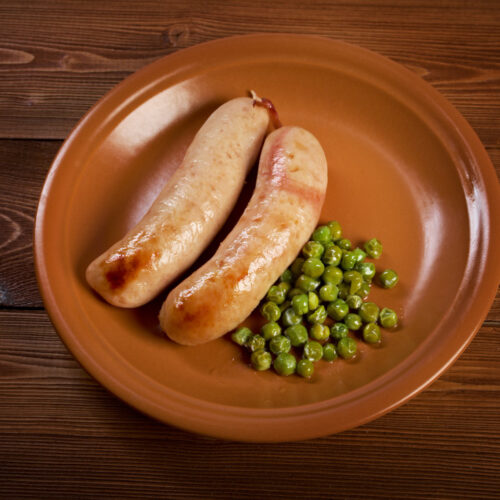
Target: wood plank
{"points": [[62, 433], [58, 58]]}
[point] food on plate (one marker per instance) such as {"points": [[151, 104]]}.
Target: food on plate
{"points": [[280, 217], [188, 212]]}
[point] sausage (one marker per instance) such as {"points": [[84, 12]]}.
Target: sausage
{"points": [[188, 212], [279, 219]]}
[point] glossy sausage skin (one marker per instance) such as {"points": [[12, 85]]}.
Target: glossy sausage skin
{"points": [[279, 219], [188, 212]]}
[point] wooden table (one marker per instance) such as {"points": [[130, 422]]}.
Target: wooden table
{"points": [[61, 434]]}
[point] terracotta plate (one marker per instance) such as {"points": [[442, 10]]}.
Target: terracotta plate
{"points": [[404, 166]]}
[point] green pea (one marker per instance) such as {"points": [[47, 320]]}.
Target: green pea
{"points": [[270, 330], [285, 364], [297, 335], [337, 309], [335, 229], [353, 321], [344, 244], [289, 317], [388, 318], [373, 248], [344, 290], [293, 292], [322, 234], [355, 279], [371, 333], [313, 267], [306, 283], [354, 301], [296, 266], [319, 331], [287, 276], [255, 342], [318, 315], [305, 368], [241, 335], [333, 275], [285, 286], [366, 269], [364, 290], [261, 360], [270, 311], [369, 312], [388, 278], [280, 344], [285, 305], [332, 255], [348, 261], [339, 331], [313, 249], [276, 294], [359, 254], [329, 352], [328, 292], [313, 301], [347, 348], [300, 304], [313, 351]]}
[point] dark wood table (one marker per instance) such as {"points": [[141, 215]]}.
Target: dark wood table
{"points": [[61, 434]]}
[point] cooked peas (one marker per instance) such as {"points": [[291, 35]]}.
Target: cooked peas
{"points": [[366, 269], [348, 260], [297, 335], [388, 318], [344, 289], [270, 311], [332, 255], [305, 368], [355, 279], [313, 351], [276, 295], [319, 331], [371, 333], [344, 244], [270, 330], [359, 254], [285, 305], [241, 335], [280, 344], [318, 315], [313, 267], [353, 321], [388, 278], [373, 248], [339, 331], [306, 283], [322, 234], [364, 290], [289, 317], [261, 360], [284, 286], [333, 275], [255, 343], [300, 304], [286, 276], [296, 266], [285, 364], [347, 347], [335, 229], [369, 312], [337, 309], [328, 292], [313, 301], [329, 352], [354, 301], [293, 292], [313, 249]]}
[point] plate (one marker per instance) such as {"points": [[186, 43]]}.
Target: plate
{"points": [[404, 166]]}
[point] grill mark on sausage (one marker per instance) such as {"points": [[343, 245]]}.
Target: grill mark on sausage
{"points": [[122, 268]]}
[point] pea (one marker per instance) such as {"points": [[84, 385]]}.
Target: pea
{"points": [[388, 278], [306, 283], [255, 342], [339, 331], [364, 290], [270, 311], [313, 301], [371, 333], [313, 351], [353, 321], [347, 348], [313, 249], [329, 352], [344, 290], [333, 275], [366, 269], [285, 305], [348, 261], [276, 294], [284, 286], [354, 301], [355, 279], [328, 292], [296, 266], [241, 335], [373, 248], [297, 335], [313, 267], [319, 331], [290, 317], [337, 309], [285, 364], [318, 315], [287, 276], [270, 330], [335, 229], [280, 344], [322, 234], [294, 291], [388, 318], [261, 360], [305, 368], [344, 244], [359, 254], [332, 255], [300, 304], [369, 312]]}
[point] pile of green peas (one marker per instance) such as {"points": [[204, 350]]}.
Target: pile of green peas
{"points": [[316, 302]]}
